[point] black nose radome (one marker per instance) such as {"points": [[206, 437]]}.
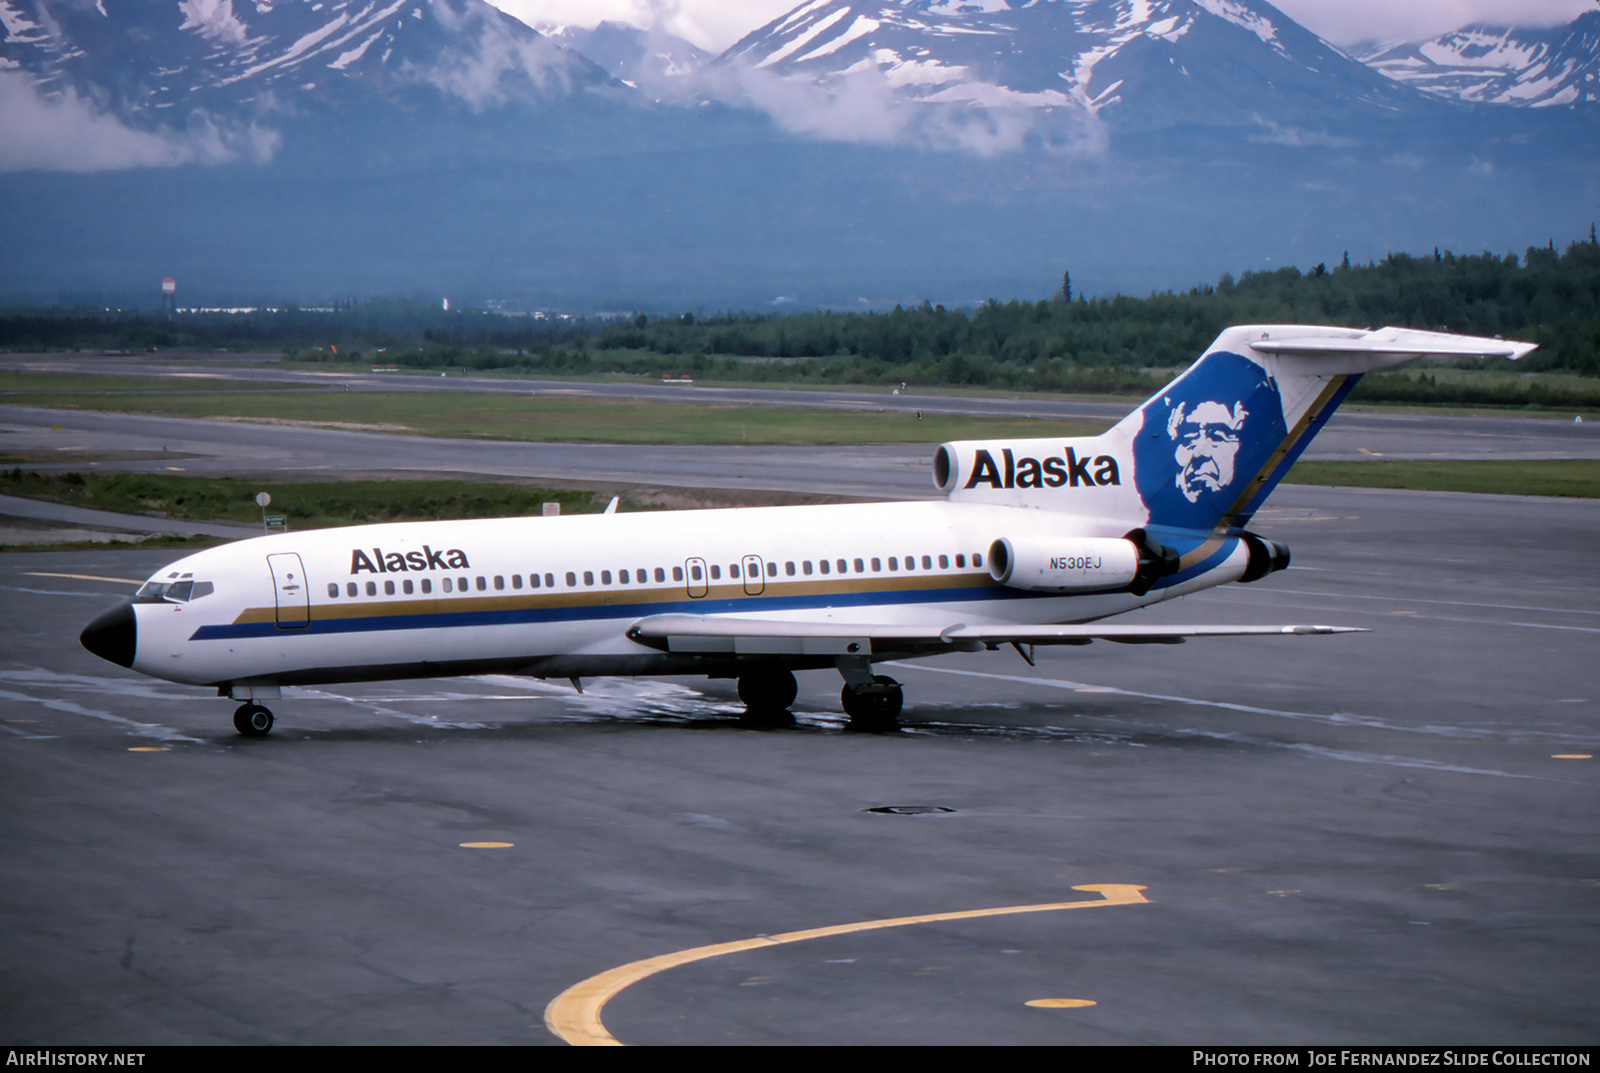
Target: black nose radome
{"points": [[113, 635]]}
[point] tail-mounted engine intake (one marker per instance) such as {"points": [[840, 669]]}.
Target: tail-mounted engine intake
{"points": [[1070, 564], [1265, 557]]}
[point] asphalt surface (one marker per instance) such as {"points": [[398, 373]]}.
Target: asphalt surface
{"points": [[1355, 839], [1380, 838]]}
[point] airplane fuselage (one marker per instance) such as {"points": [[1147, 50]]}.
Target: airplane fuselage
{"points": [[554, 597], [1036, 541]]}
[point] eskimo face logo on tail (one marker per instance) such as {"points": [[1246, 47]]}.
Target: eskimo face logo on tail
{"points": [[1208, 441], [1204, 438]]}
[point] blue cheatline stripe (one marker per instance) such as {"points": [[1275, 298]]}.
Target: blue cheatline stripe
{"points": [[586, 612], [1184, 541]]}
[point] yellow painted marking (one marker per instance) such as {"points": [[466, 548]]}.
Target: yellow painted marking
{"points": [[1572, 756], [487, 845], [147, 749], [574, 1015], [1059, 1003], [83, 577]]}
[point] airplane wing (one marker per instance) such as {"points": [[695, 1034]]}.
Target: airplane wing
{"points": [[753, 636]]}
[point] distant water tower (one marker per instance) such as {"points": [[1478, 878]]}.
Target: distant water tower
{"points": [[169, 295]]}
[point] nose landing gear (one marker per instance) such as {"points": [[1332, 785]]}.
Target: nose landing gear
{"points": [[253, 721]]}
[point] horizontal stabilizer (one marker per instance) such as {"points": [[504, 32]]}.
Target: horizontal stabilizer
{"points": [[1396, 341], [752, 636]]}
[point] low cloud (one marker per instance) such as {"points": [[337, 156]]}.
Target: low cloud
{"points": [[861, 105], [64, 132], [492, 66]]}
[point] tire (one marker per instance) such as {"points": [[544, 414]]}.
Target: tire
{"points": [[768, 691], [875, 711], [252, 721]]}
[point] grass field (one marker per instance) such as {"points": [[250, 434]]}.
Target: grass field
{"points": [[546, 418], [308, 504], [1546, 477], [320, 504]]}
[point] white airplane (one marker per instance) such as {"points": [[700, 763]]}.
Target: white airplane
{"points": [[1035, 543]]}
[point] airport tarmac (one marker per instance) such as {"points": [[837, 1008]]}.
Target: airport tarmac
{"points": [[1380, 838]]}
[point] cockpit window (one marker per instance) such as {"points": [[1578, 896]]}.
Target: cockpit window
{"points": [[185, 591]]}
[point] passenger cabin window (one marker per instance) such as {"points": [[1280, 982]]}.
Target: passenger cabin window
{"points": [[388, 588], [446, 585], [876, 566], [823, 565], [372, 588], [677, 573], [961, 562], [499, 583], [861, 568], [516, 581], [944, 562], [805, 567], [333, 589], [588, 577], [427, 586], [788, 569], [550, 581], [350, 589], [405, 586]]}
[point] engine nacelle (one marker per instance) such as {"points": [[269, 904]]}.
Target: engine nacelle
{"points": [[1066, 564], [1266, 557]]}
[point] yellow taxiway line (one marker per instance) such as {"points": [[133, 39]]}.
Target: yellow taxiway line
{"points": [[83, 577], [574, 1015]]}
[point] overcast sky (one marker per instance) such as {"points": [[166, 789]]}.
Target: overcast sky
{"points": [[716, 24]]}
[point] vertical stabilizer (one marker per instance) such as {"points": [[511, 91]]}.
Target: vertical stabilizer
{"points": [[1211, 445]]}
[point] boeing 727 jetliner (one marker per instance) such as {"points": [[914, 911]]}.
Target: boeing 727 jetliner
{"points": [[1036, 543]]}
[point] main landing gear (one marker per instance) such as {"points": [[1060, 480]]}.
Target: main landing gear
{"points": [[767, 696], [873, 707], [253, 721], [872, 702]]}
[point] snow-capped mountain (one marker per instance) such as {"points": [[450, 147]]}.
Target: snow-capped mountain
{"points": [[1151, 62], [1531, 68], [659, 63], [136, 57]]}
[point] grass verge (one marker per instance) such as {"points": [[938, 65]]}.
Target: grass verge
{"points": [[1542, 477]]}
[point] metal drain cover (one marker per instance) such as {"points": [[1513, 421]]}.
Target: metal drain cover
{"points": [[909, 810]]}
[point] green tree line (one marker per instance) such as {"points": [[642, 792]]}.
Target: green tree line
{"points": [[1077, 344]]}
